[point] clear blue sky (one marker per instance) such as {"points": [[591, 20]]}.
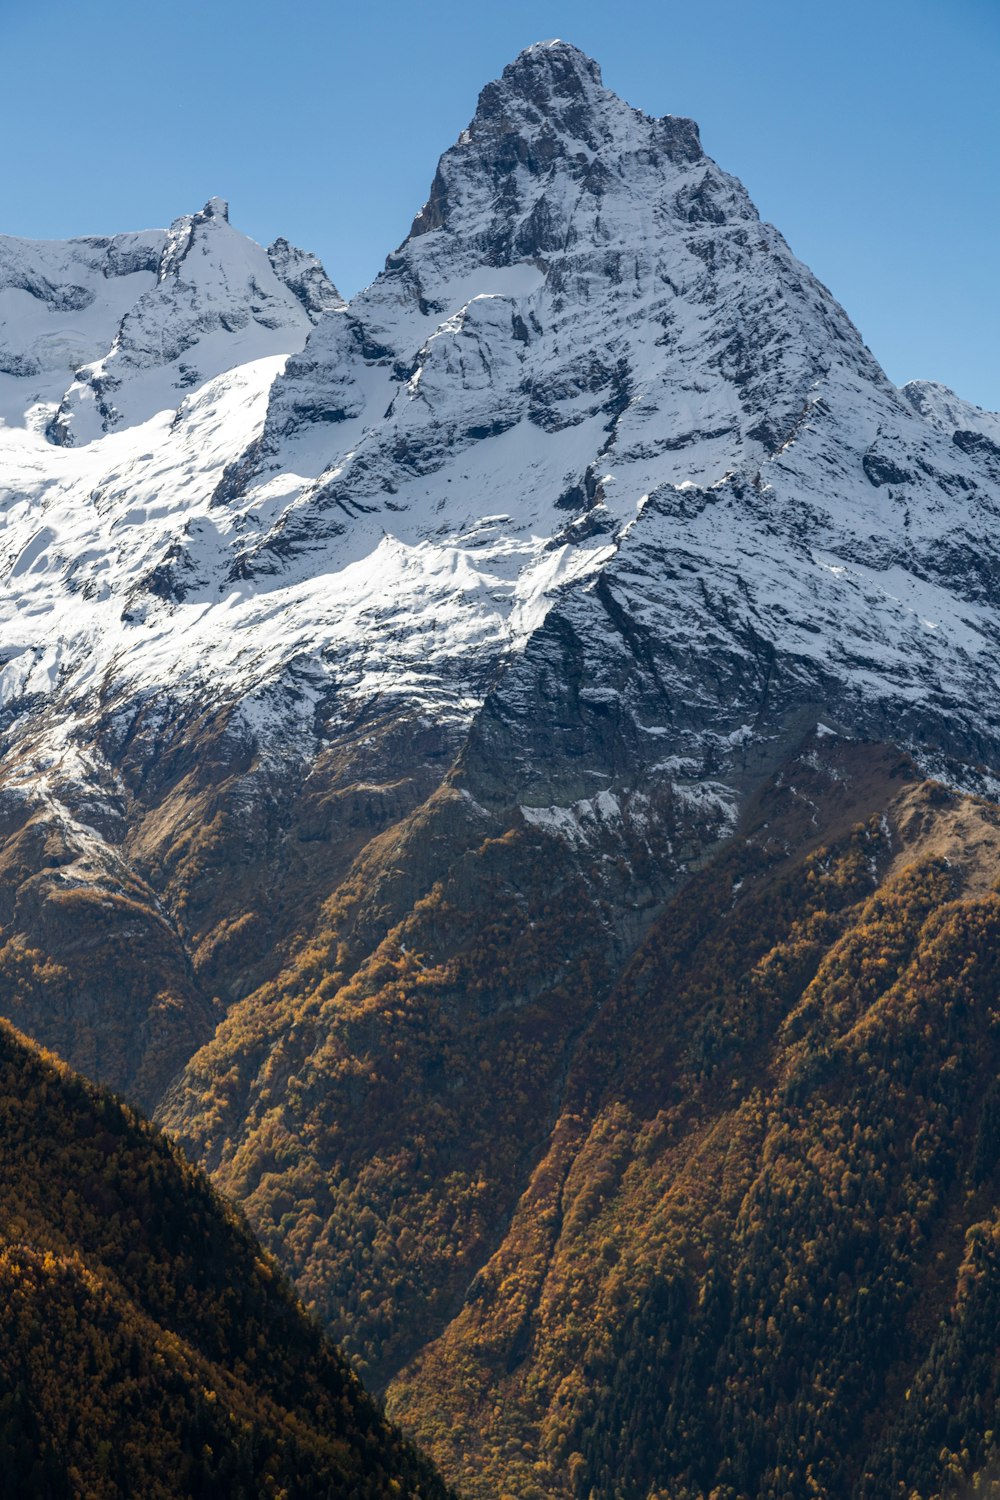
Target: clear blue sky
{"points": [[867, 130]]}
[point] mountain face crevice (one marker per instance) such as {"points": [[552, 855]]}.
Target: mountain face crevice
{"points": [[449, 742]]}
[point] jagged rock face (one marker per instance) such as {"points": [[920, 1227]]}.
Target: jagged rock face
{"points": [[589, 358], [335, 633]]}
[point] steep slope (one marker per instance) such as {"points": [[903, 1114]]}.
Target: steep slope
{"points": [[759, 1255], [184, 330], [146, 1346], [61, 305]]}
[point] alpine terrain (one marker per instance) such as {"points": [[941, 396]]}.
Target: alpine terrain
{"points": [[505, 769]]}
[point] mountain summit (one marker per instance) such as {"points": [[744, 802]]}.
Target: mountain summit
{"points": [[546, 78], [552, 94], [398, 698]]}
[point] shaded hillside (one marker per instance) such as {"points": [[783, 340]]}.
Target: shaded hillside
{"points": [[147, 1347]]}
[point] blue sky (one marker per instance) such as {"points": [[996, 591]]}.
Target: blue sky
{"points": [[868, 132]]}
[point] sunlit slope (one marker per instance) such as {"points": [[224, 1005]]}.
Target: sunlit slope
{"points": [[759, 1255]]}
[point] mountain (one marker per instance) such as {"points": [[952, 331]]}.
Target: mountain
{"points": [[757, 1255], [107, 467], [113, 328], [461, 751], [148, 1347]]}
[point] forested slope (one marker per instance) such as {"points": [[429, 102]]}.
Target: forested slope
{"points": [[759, 1258], [147, 1345]]}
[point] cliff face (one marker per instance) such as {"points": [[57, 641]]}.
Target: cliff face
{"points": [[381, 680]]}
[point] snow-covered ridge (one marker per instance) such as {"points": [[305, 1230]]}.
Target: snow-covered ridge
{"points": [[949, 413], [591, 394], [61, 304], [84, 320], [219, 301]]}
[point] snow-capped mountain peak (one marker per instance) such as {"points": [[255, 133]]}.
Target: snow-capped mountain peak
{"points": [[591, 398]]}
